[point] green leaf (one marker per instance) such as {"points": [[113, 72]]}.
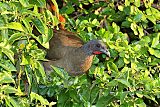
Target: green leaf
{"points": [[155, 61], [158, 46], [35, 96], [155, 41], [6, 78], [152, 19], [16, 26], [8, 102], [29, 78], [45, 42], [42, 3], [12, 101], [126, 24], [155, 12], [69, 9], [52, 18], [24, 3], [9, 54], [51, 91], [145, 41], [39, 3], [27, 24], [120, 7], [140, 103], [14, 37], [125, 82], [108, 11], [151, 97], [157, 27], [127, 2], [95, 22], [112, 66], [94, 94], [58, 71], [148, 11], [141, 33], [41, 70], [139, 94], [63, 97], [6, 50], [138, 17], [113, 53], [137, 2], [8, 66], [104, 101], [123, 96], [112, 83], [115, 27], [95, 60], [50, 34], [154, 52], [120, 62], [91, 1], [39, 25], [8, 89], [25, 60], [73, 95], [134, 28], [89, 29], [40, 40]]}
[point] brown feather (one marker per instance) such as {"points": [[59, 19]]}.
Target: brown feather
{"points": [[68, 51], [62, 42]]}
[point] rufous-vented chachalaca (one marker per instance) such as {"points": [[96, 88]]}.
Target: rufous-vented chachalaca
{"points": [[69, 52]]}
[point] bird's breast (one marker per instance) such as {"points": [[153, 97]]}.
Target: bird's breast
{"points": [[86, 64]]}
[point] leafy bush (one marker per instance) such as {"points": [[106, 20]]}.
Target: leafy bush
{"points": [[129, 78]]}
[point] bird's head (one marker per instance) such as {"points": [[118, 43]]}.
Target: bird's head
{"points": [[96, 47]]}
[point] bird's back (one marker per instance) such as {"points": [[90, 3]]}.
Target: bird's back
{"points": [[62, 42]]}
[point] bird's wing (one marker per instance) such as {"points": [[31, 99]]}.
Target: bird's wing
{"points": [[62, 42], [68, 38]]}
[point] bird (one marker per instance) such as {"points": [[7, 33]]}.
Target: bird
{"points": [[68, 51]]}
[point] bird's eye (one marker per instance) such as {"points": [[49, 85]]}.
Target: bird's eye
{"points": [[98, 45]]}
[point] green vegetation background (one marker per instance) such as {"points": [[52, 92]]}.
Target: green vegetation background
{"points": [[130, 78]]}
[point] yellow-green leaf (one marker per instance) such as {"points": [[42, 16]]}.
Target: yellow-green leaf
{"points": [[16, 26]]}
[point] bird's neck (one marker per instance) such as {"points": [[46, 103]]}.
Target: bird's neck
{"points": [[86, 58], [85, 49]]}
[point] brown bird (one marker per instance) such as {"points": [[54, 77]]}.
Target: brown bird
{"points": [[69, 52]]}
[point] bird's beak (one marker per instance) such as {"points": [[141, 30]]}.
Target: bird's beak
{"points": [[105, 51]]}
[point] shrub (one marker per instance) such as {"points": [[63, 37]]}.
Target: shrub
{"points": [[129, 78]]}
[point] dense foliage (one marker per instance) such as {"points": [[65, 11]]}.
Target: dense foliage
{"points": [[130, 29]]}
